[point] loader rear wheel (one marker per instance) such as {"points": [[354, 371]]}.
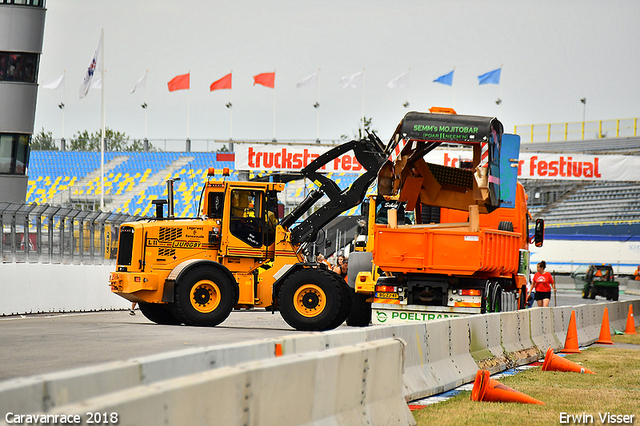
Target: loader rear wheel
{"points": [[360, 315], [345, 306], [158, 313], [204, 296], [311, 300]]}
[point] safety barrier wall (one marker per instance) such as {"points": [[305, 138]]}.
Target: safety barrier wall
{"points": [[437, 356], [37, 287]]}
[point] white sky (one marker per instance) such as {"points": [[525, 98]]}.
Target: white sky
{"points": [[552, 53]]}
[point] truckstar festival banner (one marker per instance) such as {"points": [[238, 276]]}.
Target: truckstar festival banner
{"points": [[557, 166]]}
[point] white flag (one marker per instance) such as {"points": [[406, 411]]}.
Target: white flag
{"points": [[97, 82], [141, 83], [351, 80], [399, 82], [91, 70], [53, 84], [310, 81]]}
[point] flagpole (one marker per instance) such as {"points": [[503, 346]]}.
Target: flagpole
{"points": [[363, 70], [231, 112], [64, 98], [318, 107], [146, 112], [102, 139], [274, 106], [189, 106]]}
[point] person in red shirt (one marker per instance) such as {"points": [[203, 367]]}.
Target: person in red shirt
{"points": [[542, 283]]}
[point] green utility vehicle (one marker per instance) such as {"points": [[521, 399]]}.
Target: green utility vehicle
{"points": [[596, 280]]}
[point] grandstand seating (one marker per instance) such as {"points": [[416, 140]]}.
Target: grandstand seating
{"points": [[137, 178], [54, 172], [593, 202]]}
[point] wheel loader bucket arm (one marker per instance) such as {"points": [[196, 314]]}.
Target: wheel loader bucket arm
{"points": [[370, 153]]}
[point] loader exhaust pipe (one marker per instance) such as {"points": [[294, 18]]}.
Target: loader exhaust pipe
{"points": [[170, 214]]}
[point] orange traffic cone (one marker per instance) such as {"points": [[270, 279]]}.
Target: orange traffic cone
{"points": [[571, 344], [605, 332], [553, 362], [631, 326], [489, 390]]}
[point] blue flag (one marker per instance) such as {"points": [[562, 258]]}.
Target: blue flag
{"points": [[445, 79], [492, 77]]}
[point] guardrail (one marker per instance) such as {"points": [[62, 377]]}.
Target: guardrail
{"points": [[58, 235], [573, 131], [352, 376]]}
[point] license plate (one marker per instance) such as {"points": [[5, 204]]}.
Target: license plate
{"points": [[386, 295]]}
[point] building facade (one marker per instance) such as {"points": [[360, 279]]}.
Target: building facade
{"points": [[21, 37]]}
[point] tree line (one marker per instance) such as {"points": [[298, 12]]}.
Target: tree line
{"points": [[85, 141]]}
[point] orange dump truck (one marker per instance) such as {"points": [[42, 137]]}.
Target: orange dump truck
{"points": [[443, 241]]}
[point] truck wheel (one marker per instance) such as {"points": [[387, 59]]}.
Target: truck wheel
{"points": [[347, 300], [204, 297], [311, 300], [158, 313], [360, 315], [487, 298], [592, 293], [616, 294], [497, 298], [522, 298]]}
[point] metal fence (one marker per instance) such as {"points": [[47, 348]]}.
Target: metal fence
{"points": [[580, 130], [60, 235]]}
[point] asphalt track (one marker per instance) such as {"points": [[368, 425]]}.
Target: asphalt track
{"points": [[44, 343]]}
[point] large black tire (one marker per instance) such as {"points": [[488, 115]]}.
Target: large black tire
{"points": [[585, 293], [592, 293], [158, 313], [505, 225], [311, 300], [360, 315], [487, 298], [345, 306], [496, 297], [204, 296], [616, 294], [522, 298]]}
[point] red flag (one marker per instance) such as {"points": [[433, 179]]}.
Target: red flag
{"points": [[180, 82], [223, 83], [267, 79]]}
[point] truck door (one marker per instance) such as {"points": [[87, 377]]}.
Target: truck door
{"points": [[247, 224], [509, 155]]}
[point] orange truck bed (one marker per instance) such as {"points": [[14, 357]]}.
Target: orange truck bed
{"points": [[449, 249]]}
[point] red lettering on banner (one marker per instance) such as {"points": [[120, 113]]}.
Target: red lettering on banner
{"points": [[446, 159], [336, 163], [276, 160], [562, 163], [569, 167], [267, 159], [251, 155], [532, 164], [356, 165], [588, 169], [297, 161], [286, 159], [453, 162], [346, 162], [305, 158], [542, 168], [553, 168], [520, 163], [577, 169], [258, 155], [596, 172]]}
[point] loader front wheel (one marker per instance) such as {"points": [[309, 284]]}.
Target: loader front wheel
{"points": [[205, 297], [311, 300], [158, 313]]}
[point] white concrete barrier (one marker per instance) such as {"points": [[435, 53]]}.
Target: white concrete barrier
{"points": [[485, 346], [35, 287], [351, 385], [542, 334]]}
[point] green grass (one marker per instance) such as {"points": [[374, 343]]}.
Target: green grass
{"points": [[615, 388]]}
